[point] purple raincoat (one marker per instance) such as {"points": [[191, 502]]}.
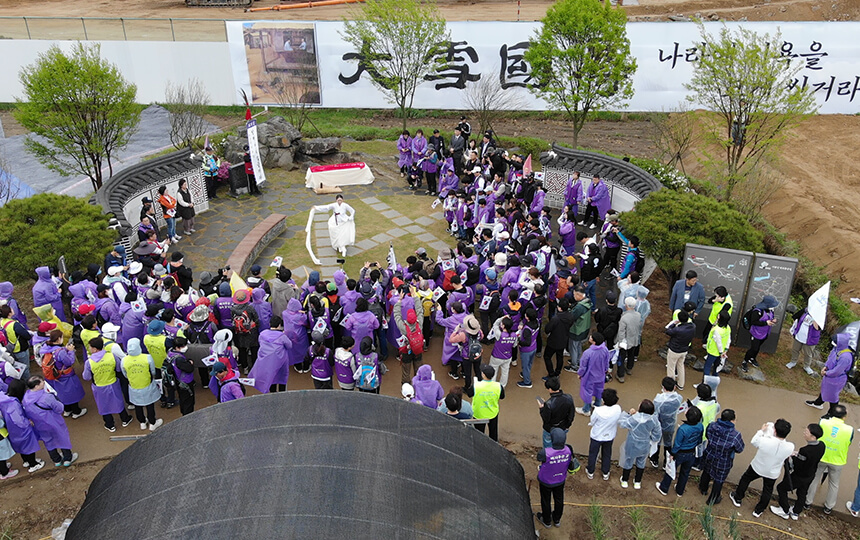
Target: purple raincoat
{"points": [[46, 413], [838, 363], [447, 183], [69, 388], [296, 330], [273, 360], [404, 151], [45, 292], [537, 202], [22, 437], [450, 351], [340, 280], [6, 291], [264, 309], [108, 398], [419, 146], [361, 325], [599, 197], [427, 390], [592, 372], [573, 195]]}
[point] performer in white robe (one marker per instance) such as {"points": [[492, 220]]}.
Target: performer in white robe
{"points": [[341, 224]]}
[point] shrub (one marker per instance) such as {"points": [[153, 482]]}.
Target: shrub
{"points": [[667, 220], [527, 145], [38, 230], [669, 176]]}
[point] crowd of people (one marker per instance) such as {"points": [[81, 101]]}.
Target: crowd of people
{"points": [[515, 288]]}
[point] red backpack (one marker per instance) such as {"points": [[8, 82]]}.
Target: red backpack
{"points": [[446, 281], [415, 340], [49, 368]]}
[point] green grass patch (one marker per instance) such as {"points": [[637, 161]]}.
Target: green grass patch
{"points": [[375, 147]]}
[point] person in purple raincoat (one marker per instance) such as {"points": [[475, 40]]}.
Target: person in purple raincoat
{"points": [[404, 152], [448, 182], [450, 351], [101, 369], [345, 365], [597, 197], [834, 374], [21, 435], [66, 384], [762, 319], [222, 349], [263, 308], [46, 413], [593, 365], [106, 309], [224, 306], [430, 164], [428, 390], [349, 299], [340, 278], [133, 325], [6, 292], [272, 369], [45, 291], [418, 146], [296, 330], [362, 322], [225, 384], [540, 197], [573, 194]]}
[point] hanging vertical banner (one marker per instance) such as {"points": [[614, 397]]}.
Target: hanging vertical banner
{"points": [[254, 150]]}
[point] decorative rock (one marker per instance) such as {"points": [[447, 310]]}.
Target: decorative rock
{"points": [[754, 374], [849, 389], [319, 146]]}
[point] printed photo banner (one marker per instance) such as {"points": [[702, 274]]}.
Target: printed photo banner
{"points": [[322, 69]]}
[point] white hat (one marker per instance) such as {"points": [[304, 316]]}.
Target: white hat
{"points": [[504, 235], [114, 270], [135, 268], [407, 390], [476, 170], [501, 259], [110, 330]]}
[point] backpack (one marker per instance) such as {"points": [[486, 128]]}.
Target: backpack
{"points": [[168, 376], [367, 374], [194, 333], [49, 368], [563, 287], [473, 275], [222, 384], [415, 339], [427, 303], [5, 341], [430, 267], [473, 350], [243, 323], [746, 320], [446, 281], [639, 265]]}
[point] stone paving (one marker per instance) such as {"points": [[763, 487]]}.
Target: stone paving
{"points": [[229, 219]]}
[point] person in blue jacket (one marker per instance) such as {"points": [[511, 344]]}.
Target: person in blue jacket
{"points": [[688, 289]]}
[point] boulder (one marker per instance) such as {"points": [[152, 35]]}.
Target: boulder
{"points": [[754, 374], [278, 126], [319, 146]]}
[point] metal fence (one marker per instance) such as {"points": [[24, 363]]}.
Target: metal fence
{"points": [[112, 29]]}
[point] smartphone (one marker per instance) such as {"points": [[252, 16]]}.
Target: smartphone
{"points": [[540, 400]]}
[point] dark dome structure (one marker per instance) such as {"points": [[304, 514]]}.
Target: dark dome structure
{"points": [[309, 464]]}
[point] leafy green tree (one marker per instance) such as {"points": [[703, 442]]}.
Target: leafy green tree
{"points": [[666, 220], [580, 59], [399, 44], [37, 230], [79, 110], [743, 78]]}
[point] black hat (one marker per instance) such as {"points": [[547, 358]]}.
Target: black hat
{"points": [[176, 256]]}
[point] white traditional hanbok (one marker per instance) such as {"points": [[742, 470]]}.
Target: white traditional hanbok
{"points": [[341, 225]]}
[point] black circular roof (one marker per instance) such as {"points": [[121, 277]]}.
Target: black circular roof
{"points": [[309, 464]]}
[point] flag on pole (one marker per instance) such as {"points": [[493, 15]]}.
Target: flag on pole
{"points": [[552, 267], [392, 258], [817, 305], [237, 283], [527, 166]]}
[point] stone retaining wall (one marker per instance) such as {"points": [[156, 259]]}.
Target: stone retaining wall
{"points": [[254, 242]]}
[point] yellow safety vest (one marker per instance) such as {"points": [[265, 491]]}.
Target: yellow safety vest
{"points": [[86, 336], [485, 404], [157, 348], [709, 414], [725, 337], [836, 439], [8, 326], [718, 307], [137, 371], [104, 371]]}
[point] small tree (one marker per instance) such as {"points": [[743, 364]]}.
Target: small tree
{"points": [[79, 110], [488, 101], [9, 187], [743, 78], [398, 43], [186, 104], [580, 59], [297, 92], [666, 220], [37, 230], [674, 134]]}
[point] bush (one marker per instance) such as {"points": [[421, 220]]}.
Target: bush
{"points": [[527, 145], [666, 220], [38, 230], [670, 177]]}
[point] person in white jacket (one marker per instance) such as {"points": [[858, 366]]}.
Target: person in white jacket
{"points": [[341, 224], [772, 452]]}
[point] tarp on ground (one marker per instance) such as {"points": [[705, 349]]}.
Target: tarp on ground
{"points": [[309, 464]]}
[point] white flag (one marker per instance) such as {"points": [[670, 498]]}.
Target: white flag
{"points": [[247, 381], [817, 305], [392, 258], [254, 151], [552, 267]]}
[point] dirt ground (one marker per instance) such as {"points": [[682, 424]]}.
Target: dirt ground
{"points": [[485, 10]]}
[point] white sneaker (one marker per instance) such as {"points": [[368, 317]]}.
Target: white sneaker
{"points": [[624, 484], [76, 416], [66, 414], [39, 464], [664, 493], [111, 429], [808, 370], [847, 505], [637, 485], [156, 425], [589, 475], [789, 366], [129, 407], [779, 511], [583, 412], [74, 459], [14, 472], [606, 476], [143, 425], [177, 238]]}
